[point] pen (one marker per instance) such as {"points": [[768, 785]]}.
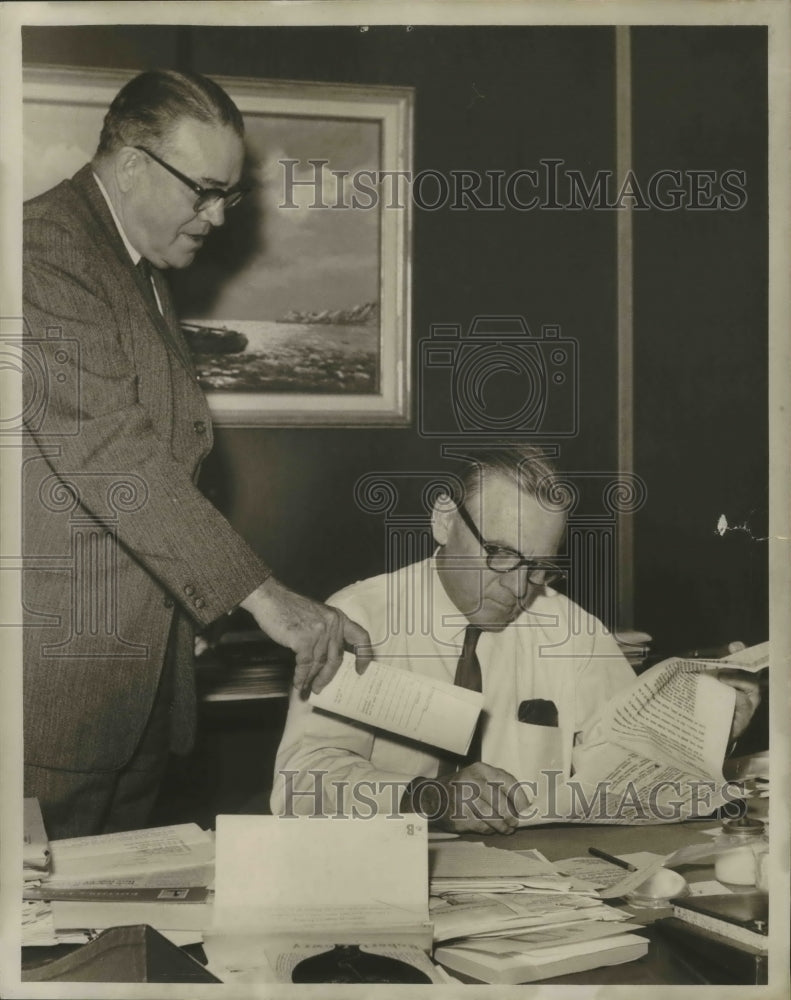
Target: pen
{"points": [[611, 858]]}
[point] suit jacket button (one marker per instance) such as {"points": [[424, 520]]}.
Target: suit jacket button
{"points": [[200, 426], [199, 602], [189, 590], [168, 602]]}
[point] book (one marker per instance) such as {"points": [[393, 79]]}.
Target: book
{"points": [[70, 915], [739, 916], [291, 890], [528, 965], [714, 958]]}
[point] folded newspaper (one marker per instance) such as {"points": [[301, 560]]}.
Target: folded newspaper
{"points": [[655, 753]]}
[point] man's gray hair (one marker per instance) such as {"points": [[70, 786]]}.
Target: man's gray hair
{"points": [[148, 108], [525, 464]]}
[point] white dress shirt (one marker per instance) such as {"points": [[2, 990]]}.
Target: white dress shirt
{"points": [[133, 253], [555, 651]]}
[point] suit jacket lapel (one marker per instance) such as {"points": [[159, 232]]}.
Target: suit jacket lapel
{"points": [[167, 324]]}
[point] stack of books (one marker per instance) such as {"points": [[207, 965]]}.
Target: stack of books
{"points": [[161, 877], [509, 917]]}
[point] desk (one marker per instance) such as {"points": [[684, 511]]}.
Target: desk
{"points": [[662, 966]]}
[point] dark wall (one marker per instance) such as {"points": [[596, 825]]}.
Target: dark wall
{"points": [[701, 328], [502, 99]]}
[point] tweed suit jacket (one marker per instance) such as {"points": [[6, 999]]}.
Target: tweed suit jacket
{"points": [[118, 543]]}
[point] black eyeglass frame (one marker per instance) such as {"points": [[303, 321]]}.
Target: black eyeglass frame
{"points": [[550, 573], [206, 197]]}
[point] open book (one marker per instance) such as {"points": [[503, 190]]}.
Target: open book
{"points": [[655, 754], [296, 896]]}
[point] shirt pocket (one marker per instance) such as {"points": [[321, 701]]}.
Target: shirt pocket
{"points": [[540, 749]]}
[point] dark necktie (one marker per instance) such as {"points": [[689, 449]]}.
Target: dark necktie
{"points": [[147, 277], [468, 675]]}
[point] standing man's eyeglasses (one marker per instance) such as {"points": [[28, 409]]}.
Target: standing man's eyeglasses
{"points": [[502, 560], [206, 197]]}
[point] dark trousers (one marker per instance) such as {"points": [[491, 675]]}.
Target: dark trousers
{"points": [[85, 803]]}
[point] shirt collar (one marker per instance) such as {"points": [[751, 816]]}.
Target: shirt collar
{"points": [[129, 248], [449, 622]]}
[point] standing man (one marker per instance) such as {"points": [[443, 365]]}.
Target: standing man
{"points": [[123, 554]]}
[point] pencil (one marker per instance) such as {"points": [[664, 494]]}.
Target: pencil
{"points": [[611, 858]]}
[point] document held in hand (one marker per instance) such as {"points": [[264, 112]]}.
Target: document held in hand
{"points": [[655, 753], [400, 702]]}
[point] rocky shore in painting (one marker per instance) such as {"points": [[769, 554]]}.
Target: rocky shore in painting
{"points": [[367, 312], [286, 357]]}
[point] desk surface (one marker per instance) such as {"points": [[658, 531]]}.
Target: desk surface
{"points": [[662, 965]]}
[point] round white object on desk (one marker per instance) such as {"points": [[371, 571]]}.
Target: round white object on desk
{"points": [[658, 888], [736, 867]]}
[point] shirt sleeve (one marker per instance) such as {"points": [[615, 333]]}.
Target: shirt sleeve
{"points": [[603, 673], [323, 765], [168, 526]]}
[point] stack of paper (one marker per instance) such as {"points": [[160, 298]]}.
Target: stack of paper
{"points": [[459, 866], [161, 877], [513, 917]]}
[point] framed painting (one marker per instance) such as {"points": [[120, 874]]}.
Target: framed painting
{"points": [[297, 310]]}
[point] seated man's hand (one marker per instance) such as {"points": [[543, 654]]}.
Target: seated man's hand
{"points": [[317, 633], [478, 799], [748, 697]]}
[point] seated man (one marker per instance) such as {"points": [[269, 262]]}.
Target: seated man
{"points": [[481, 613]]}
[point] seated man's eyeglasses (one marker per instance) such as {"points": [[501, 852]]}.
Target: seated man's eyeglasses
{"points": [[502, 560], [206, 197]]}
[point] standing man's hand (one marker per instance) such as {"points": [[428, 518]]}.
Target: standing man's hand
{"points": [[317, 633]]}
